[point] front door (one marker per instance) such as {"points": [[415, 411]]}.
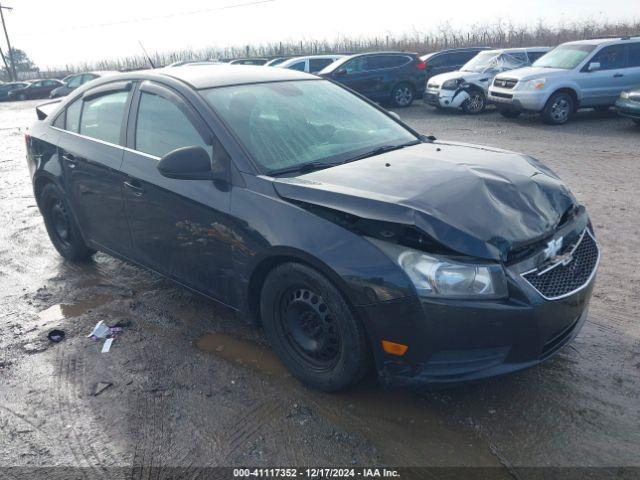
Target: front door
{"points": [[603, 86], [178, 227], [91, 155]]}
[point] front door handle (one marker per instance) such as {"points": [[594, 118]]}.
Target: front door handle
{"points": [[70, 159], [135, 187], [618, 75]]}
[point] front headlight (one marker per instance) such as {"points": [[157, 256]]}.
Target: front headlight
{"points": [[452, 84], [624, 95], [435, 276], [535, 84]]}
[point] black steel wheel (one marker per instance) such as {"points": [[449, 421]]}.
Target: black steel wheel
{"points": [[312, 329], [61, 226]]}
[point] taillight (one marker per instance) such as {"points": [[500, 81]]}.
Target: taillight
{"points": [[421, 65]]}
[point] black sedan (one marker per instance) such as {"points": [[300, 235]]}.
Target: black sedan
{"points": [[5, 88], [352, 239], [35, 89]]}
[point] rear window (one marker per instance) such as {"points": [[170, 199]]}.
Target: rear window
{"points": [[102, 116]]}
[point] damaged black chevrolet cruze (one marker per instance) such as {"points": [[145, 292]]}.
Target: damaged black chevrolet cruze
{"points": [[353, 240]]}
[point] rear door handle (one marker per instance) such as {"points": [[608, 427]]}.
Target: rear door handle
{"points": [[618, 75], [135, 187]]}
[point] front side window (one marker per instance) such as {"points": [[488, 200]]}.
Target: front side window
{"points": [[566, 56], [611, 57], [162, 127], [357, 65], [298, 66], [286, 124], [102, 116]]}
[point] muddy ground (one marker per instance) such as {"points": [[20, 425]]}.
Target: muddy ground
{"points": [[187, 385]]}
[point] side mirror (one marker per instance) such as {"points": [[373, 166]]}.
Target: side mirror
{"points": [[593, 66], [393, 114], [187, 163]]}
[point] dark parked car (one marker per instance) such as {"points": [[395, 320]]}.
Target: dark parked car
{"points": [[35, 89], [5, 88], [394, 77], [448, 60], [354, 240], [75, 81], [628, 105]]}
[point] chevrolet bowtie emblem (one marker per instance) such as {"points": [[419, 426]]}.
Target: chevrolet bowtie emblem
{"points": [[553, 247]]}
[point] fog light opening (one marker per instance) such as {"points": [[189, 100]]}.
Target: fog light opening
{"points": [[394, 348]]}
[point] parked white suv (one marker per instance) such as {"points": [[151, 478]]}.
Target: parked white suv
{"points": [[310, 64], [582, 74], [467, 87]]}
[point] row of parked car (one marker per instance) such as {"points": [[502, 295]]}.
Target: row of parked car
{"points": [[554, 82]]}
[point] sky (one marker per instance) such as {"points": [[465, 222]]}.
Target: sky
{"points": [[55, 34]]}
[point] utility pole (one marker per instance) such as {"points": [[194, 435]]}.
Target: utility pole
{"points": [[6, 35], [6, 65]]}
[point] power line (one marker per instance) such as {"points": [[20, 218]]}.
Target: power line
{"points": [[12, 74], [161, 17]]}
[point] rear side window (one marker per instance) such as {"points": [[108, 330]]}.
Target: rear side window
{"points": [[611, 57], [387, 61], [162, 127], [102, 116], [634, 55], [73, 116], [317, 64], [439, 60]]}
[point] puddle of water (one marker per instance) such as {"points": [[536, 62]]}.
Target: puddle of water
{"points": [[408, 429], [61, 311]]}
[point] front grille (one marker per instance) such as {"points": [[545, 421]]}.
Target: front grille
{"points": [[563, 279], [505, 83], [501, 95]]}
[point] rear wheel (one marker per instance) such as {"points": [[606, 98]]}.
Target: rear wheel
{"points": [[506, 113], [402, 95], [61, 226], [558, 109], [312, 329], [476, 103]]}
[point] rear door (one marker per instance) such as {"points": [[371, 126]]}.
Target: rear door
{"points": [[91, 151], [178, 227], [632, 75], [603, 86]]}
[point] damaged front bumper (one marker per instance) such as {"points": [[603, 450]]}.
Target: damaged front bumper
{"points": [[454, 341], [445, 98]]}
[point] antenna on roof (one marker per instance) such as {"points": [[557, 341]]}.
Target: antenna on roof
{"points": [[146, 55]]}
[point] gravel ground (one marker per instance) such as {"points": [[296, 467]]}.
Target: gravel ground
{"points": [[187, 385]]}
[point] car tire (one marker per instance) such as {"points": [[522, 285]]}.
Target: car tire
{"points": [[476, 103], [61, 226], [312, 329], [402, 95], [506, 113], [558, 109]]}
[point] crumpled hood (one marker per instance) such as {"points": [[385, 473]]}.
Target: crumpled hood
{"points": [[475, 200], [467, 76], [529, 73]]}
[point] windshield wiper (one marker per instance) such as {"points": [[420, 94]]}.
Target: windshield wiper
{"points": [[382, 149], [303, 168]]}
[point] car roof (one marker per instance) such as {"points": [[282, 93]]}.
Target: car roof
{"points": [[383, 53], [221, 75], [603, 41], [519, 49]]}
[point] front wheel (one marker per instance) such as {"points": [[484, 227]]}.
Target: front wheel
{"points": [[402, 95], [558, 109], [312, 329], [476, 103], [61, 226]]}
